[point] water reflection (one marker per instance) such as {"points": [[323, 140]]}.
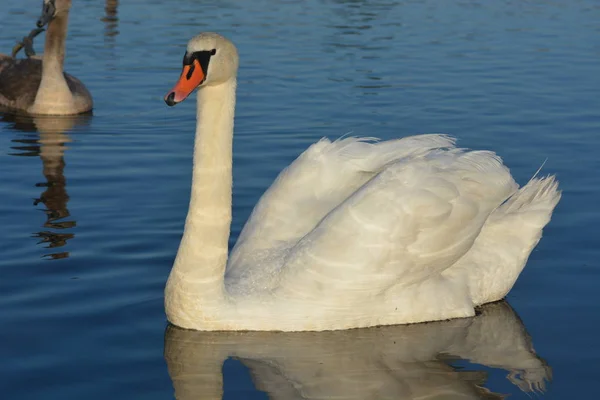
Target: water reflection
{"points": [[409, 361], [111, 21], [111, 31], [46, 137]]}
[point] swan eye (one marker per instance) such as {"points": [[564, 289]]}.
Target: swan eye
{"points": [[213, 52]]}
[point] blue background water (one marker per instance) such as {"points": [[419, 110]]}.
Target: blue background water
{"points": [[87, 245]]}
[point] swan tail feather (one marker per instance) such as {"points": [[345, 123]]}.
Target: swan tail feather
{"points": [[507, 239], [538, 197]]}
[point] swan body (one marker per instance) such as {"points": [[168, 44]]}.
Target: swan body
{"points": [[354, 233], [39, 86]]}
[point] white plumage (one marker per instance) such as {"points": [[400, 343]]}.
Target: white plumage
{"points": [[355, 232]]}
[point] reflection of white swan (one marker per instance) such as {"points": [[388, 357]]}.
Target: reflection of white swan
{"points": [[40, 86], [404, 361], [352, 234]]}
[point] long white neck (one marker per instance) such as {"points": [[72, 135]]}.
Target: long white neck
{"points": [[202, 256], [54, 91]]}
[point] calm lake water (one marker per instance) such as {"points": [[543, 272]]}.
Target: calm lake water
{"points": [[92, 208]]}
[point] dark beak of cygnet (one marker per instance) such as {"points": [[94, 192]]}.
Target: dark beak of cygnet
{"points": [[47, 14]]}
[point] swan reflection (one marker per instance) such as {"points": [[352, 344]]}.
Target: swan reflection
{"points": [[405, 361], [111, 21], [46, 137]]}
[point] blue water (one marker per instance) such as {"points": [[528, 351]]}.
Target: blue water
{"points": [[92, 209]]}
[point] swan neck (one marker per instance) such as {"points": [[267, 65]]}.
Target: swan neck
{"points": [[202, 254], [54, 93], [54, 47]]}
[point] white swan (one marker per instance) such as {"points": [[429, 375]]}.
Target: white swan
{"points": [[354, 233]]}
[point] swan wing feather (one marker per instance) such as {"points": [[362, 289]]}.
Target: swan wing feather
{"points": [[412, 220], [320, 179]]}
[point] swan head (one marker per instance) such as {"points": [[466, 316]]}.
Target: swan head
{"points": [[209, 60], [52, 8]]}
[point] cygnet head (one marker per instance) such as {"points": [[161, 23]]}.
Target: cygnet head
{"points": [[52, 8], [210, 60]]}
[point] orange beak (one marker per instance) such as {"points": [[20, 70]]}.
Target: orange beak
{"points": [[191, 77]]}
